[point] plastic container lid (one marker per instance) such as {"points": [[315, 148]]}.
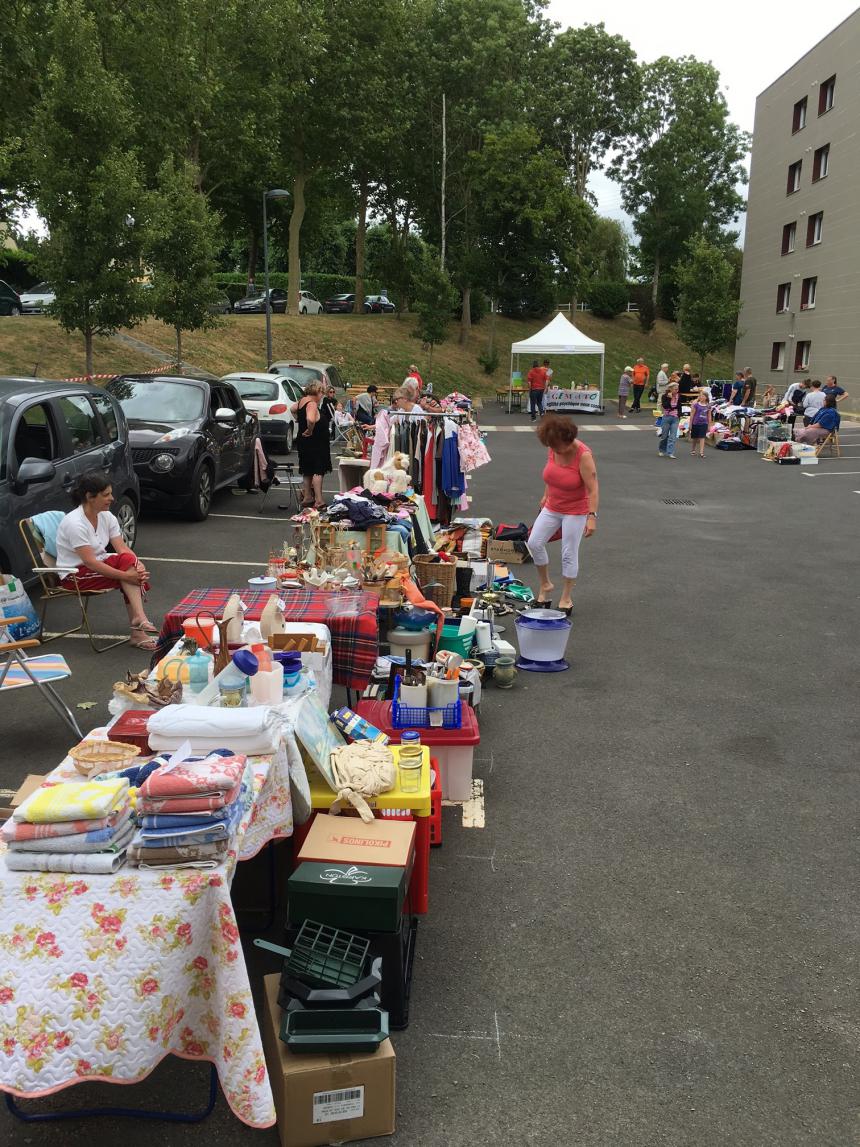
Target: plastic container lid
{"points": [[543, 619], [245, 662], [378, 713], [410, 737]]}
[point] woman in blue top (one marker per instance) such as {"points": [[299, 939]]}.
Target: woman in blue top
{"points": [[825, 421]]}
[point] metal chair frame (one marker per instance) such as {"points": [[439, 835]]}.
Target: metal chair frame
{"points": [[831, 441], [51, 591], [288, 479]]}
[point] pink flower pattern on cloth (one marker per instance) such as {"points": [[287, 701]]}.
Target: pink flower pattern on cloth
{"points": [[209, 775], [170, 937]]}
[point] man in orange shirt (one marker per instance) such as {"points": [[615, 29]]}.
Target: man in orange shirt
{"points": [[641, 375], [536, 378]]}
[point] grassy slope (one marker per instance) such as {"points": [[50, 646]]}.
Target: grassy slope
{"points": [[35, 344], [369, 348]]}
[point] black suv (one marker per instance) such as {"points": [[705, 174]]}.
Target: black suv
{"points": [[50, 434], [189, 438], [10, 300]]}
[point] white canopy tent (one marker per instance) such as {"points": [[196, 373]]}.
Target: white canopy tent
{"points": [[558, 337]]}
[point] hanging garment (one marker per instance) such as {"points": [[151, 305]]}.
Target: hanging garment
{"points": [[381, 439], [473, 452], [453, 482]]}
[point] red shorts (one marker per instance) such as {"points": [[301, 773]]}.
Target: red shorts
{"points": [[87, 579]]}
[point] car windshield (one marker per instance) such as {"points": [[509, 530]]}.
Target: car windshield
{"points": [[40, 289], [342, 298], [158, 401], [305, 374], [255, 388]]}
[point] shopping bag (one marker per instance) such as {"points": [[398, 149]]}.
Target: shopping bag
{"points": [[15, 602]]}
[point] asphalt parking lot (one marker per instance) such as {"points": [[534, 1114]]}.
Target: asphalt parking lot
{"points": [[654, 939]]}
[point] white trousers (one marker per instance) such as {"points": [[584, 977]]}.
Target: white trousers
{"points": [[572, 529]]}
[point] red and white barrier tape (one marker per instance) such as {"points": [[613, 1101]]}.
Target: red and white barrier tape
{"points": [[114, 374]]}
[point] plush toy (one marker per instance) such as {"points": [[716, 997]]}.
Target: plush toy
{"points": [[392, 478]]}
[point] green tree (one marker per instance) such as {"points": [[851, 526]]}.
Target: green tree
{"points": [[181, 238], [708, 304], [681, 165], [87, 185], [435, 296], [606, 254], [590, 92]]}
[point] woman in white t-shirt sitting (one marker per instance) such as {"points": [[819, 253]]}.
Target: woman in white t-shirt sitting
{"points": [[84, 538]]}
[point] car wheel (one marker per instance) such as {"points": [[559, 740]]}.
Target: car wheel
{"points": [[15, 312], [201, 493], [290, 435], [126, 515]]}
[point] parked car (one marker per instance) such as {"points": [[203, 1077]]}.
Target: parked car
{"points": [[378, 305], [189, 438], [303, 372], [309, 304], [10, 300], [34, 301], [220, 304], [270, 398], [257, 304], [339, 305], [50, 434]]}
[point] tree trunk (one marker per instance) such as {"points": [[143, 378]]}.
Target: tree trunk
{"points": [[294, 265], [491, 343], [88, 350], [178, 348], [430, 365], [655, 282], [466, 317], [253, 246], [360, 232], [443, 221], [702, 371]]}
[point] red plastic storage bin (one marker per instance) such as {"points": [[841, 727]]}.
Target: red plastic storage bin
{"points": [[453, 748]]}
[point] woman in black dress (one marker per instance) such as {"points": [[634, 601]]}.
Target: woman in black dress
{"points": [[313, 443]]}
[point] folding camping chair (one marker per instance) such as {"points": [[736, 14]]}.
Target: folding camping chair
{"points": [[832, 442], [341, 426], [49, 574], [285, 476], [18, 671]]}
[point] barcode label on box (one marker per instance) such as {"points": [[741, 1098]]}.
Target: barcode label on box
{"points": [[329, 1106]]}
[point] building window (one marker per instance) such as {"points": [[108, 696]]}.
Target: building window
{"points": [[777, 356], [783, 295], [793, 177], [826, 94], [801, 355], [798, 119], [808, 291], [814, 228], [821, 163], [789, 234]]}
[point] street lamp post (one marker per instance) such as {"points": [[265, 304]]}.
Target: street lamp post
{"points": [[275, 193]]}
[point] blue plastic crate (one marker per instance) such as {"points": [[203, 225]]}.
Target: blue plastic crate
{"points": [[429, 717]]}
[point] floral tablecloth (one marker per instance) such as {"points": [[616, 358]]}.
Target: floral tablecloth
{"points": [[101, 977]]}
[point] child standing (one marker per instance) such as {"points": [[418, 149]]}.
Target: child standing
{"points": [[700, 422]]}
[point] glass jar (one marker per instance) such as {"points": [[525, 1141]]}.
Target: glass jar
{"points": [[409, 762]]}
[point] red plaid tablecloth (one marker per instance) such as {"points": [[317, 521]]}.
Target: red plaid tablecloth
{"points": [[351, 618]]}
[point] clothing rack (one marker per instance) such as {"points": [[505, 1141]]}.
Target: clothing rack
{"points": [[460, 417]]}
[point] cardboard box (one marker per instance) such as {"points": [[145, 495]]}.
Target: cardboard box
{"points": [[325, 1099], [348, 840], [31, 782], [506, 552]]}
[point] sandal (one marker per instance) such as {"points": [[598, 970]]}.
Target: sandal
{"points": [[143, 641], [144, 627]]}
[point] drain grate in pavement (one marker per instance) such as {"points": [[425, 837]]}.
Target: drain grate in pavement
{"points": [[678, 502]]}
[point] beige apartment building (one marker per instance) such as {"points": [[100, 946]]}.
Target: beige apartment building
{"points": [[800, 285]]}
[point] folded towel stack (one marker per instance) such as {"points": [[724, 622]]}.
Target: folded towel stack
{"points": [[189, 811], [74, 826]]}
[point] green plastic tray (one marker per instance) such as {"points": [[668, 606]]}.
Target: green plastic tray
{"points": [[334, 1029]]}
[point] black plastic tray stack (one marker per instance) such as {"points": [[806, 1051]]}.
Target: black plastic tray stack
{"points": [[329, 991]]}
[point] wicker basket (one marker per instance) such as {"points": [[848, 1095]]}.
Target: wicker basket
{"points": [[438, 580], [102, 756]]}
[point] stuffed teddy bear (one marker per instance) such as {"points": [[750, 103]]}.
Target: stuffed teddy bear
{"points": [[392, 478]]}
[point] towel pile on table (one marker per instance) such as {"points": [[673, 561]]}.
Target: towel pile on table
{"points": [[189, 811], [72, 826]]}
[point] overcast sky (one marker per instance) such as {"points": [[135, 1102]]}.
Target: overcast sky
{"points": [[749, 43]]}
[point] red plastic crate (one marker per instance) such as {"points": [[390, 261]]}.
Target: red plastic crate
{"points": [[435, 803]]}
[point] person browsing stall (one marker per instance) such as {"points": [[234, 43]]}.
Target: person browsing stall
{"points": [[640, 376], [832, 389], [570, 503], [84, 538], [701, 422], [812, 402], [670, 405], [623, 390], [313, 444], [403, 401], [536, 378], [366, 406]]}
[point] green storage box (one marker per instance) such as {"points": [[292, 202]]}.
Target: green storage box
{"points": [[348, 896]]}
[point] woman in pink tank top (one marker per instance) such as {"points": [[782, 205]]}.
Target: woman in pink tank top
{"points": [[570, 503]]}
